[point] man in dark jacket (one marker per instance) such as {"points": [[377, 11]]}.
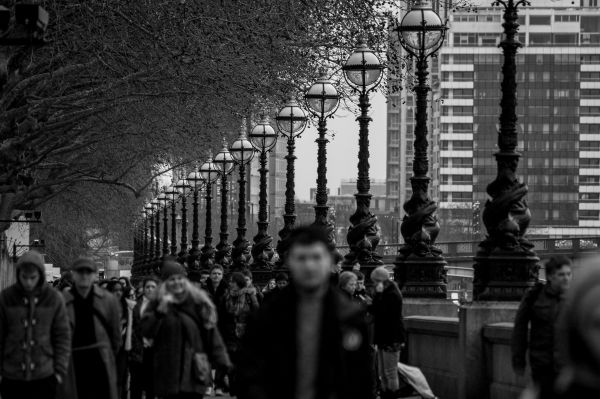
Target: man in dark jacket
{"points": [[389, 334], [95, 319], [309, 341], [140, 357], [539, 309], [35, 340], [217, 288]]}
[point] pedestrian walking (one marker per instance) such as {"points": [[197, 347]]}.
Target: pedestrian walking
{"points": [[389, 334], [216, 286], [118, 288], [579, 337], [95, 319], [311, 342], [347, 283], [181, 323], [281, 281], [140, 356], [361, 293], [535, 322], [239, 303], [35, 340], [250, 284]]}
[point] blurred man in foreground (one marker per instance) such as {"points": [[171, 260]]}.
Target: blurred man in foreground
{"points": [[311, 342]]}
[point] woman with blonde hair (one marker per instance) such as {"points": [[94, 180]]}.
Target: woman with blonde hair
{"points": [[181, 323]]}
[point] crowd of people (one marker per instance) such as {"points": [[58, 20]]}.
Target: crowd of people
{"points": [[317, 333]]}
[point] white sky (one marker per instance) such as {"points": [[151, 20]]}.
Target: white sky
{"points": [[342, 151]]}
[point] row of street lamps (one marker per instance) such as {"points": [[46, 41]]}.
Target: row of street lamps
{"points": [[421, 34], [420, 266]]}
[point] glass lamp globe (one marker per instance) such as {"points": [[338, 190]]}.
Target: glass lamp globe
{"points": [[263, 136], [195, 180], [421, 30], [363, 68], [155, 203], [224, 159], [172, 192], [163, 198], [242, 149], [209, 170], [291, 120], [149, 207], [182, 186], [322, 98]]}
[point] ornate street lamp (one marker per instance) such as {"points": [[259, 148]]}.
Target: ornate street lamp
{"points": [[420, 267], [172, 193], [197, 183], [506, 265], [163, 199], [141, 258], [225, 163], [291, 122], [183, 188], [363, 72], [242, 152], [156, 260], [150, 253], [322, 100], [210, 173], [263, 138]]}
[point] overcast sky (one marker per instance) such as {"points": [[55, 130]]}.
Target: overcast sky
{"points": [[342, 151]]}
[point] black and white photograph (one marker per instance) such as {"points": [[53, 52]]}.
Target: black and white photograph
{"points": [[299, 199]]}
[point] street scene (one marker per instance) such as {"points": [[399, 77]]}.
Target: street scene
{"points": [[300, 199]]}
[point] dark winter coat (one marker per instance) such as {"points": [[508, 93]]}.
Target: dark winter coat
{"points": [[234, 311], [35, 339], [176, 336], [539, 309], [137, 343], [267, 367], [388, 323], [107, 326], [216, 294]]}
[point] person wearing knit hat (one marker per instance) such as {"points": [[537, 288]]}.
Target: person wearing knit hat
{"points": [[182, 319], [389, 333], [34, 315]]}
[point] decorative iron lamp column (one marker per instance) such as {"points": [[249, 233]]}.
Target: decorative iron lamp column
{"points": [[183, 189], [225, 163], [197, 183], [172, 193], [291, 122], [147, 269], [163, 198], [363, 72], [420, 267], [263, 138], [139, 269], [322, 100], [506, 265], [156, 261], [210, 173], [242, 152]]}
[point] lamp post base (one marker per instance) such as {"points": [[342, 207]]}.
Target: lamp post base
{"points": [[223, 255], [421, 276], [504, 275]]}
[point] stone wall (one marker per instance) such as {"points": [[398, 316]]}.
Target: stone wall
{"points": [[466, 357]]}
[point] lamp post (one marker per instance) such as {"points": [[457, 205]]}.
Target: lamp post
{"points": [[141, 258], [150, 252], [156, 260], [172, 193], [225, 163], [263, 138], [363, 72], [163, 198], [291, 122], [322, 100], [210, 173], [242, 152], [420, 267], [506, 265], [183, 189], [196, 182]]}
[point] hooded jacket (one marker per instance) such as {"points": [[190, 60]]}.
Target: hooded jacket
{"points": [[35, 338]]}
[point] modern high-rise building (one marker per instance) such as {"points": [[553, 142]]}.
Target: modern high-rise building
{"points": [[558, 75]]}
